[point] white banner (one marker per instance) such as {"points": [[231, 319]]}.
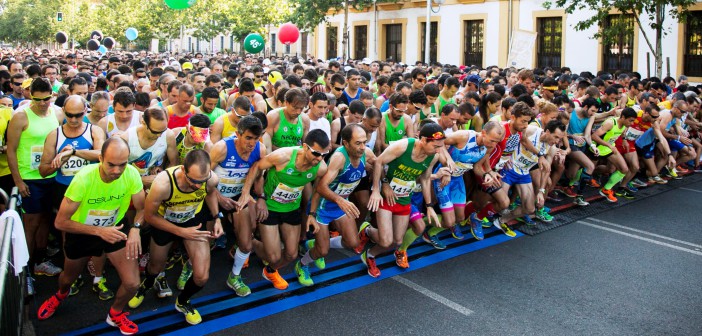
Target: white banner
{"points": [[521, 51]]}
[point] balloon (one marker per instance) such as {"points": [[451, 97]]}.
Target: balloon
{"points": [[131, 34], [288, 33], [108, 42], [93, 45], [102, 49], [61, 37], [254, 43], [96, 34], [180, 4]]}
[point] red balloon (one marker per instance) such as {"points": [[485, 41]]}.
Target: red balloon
{"points": [[288, 33]]}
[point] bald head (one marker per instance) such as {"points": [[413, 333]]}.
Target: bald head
{"points": [[114, 158], [114, 144], [74, 104]]}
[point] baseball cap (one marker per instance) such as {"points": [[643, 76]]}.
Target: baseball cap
{"points": [[366, 61], [475, 79], [187, 66], [27, 83], [274, 76]]}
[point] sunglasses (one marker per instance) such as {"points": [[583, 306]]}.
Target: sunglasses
{"points": [[16, 84], [421, 80], [72, 115], [316, 153], [654, 117], [401, 110], [241, 115], [194, 181], [37, 99], [155, 132], [260, 76], [338, 88]]}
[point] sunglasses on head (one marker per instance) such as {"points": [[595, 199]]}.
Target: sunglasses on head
{"points": [[316, 153]]}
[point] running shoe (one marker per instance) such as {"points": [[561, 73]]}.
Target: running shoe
{"points": [[139, 296], [219, 243], [512, 206], [632, 187], [401, 259], [319, 263], [333, 233], [237, 284], [580, 200], [638, 183], [47, 268], [191, 314], [162, 288], [505, 229], [487, 222], [76, 285], [275, 278], [104, 293], [456, 232], [568, 191], [624, 192], [363, 238], [527, 221], [593, 183], [546, 209], [434, 241], [608, 194], [125, 325], [657, 179], [303, 274], [671, 173], [476, 227], [553, 196], [543, 216], [48, 308], [185, 274], [373, 269], [681, 170]]}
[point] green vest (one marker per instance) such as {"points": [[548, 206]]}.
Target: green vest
{"points": [[283, 188], [31, 143], [403, 173], [288, 135], [394, 133]]}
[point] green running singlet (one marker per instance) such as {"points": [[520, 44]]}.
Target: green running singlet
{"points": [[394, 133], [283, 188], [403, 173], [288, 135]]}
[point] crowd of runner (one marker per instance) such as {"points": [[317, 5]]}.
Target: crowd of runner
{"points": [[146, 160]]}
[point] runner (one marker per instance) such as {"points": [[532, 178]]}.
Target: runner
{"points": [[92, 214], [225, 125], [606, 137], [288, 126], [193, 136], [397, 125], [174, 208], [124, 117]]}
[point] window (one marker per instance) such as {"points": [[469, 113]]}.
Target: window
{"points": [[473, 39], [360, 37], [190, 44], [197, 44], [550, 35], [433, 48], [332, 42], [393, 42], [304, 45], [619, 54], [693, 45], [287, 48], [273, 43], [231, 43], [221, 43]]}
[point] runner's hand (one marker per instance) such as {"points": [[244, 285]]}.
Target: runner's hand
{"points": [[62, 157], [311, 223], [194, 233], [445, 180], [671, 161], [389, 194], [244, 199], [227, 203], [134, 244], [217, 230], [375, 201], [685, 141], [261, 210], [23, 189], [112, 234], [432, 217], [543, 165], [349, 208]]}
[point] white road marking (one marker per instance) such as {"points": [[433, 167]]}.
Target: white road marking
{"points": [[688, 189], [676, 247], [645, 232], [433, 295]]}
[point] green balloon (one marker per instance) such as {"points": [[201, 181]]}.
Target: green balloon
{"points": [[254, 43], [180, 4]]}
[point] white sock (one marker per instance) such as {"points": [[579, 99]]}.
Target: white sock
{"points": [[239, 261], [306, 259], [335, 243], [96, 279]]}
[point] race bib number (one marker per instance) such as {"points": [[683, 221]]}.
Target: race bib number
{"points": [[35, 156], [102, 218], [73, 165], [232, 182], [345, 189], [285, 194], [462, 168], [180, 214], [632, 134], [501, 164], [402, 188]]}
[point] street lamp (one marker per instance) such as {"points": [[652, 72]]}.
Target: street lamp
{"points": [[427, 33]]}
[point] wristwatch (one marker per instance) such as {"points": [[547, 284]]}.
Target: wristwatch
{"points": [[219, 215], [137, 225]]}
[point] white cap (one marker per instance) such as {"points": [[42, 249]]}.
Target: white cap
{"points": [[366, 61], [347, 68], [266, 61]]}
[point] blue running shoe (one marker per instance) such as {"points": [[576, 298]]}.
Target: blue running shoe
{"points": [[476, 227], [527, 220], [631, 187], [433, 241], [456, 232]]}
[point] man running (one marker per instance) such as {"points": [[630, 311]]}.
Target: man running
{"points": [[124, 117], [174, 208], [287, 126], [606, 137], [397, 125], [92, 215]]}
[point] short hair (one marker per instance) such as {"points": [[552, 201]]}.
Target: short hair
{"points": [[207, 93], [418, 71], [212, 79], [141, 99], [431, 89], [40, 85], [187, 88], [611, 90], [297, 96], [397, 99], [250, 123], [448, 108], [174, 84], [197, 157], [555, 124], [521, 109], [347, 132], [372, 113], [357, 107], [76, 81], [246, 85], [451, 81], [156, 72], [317, 96], [154, 112], [352, 72], [427, 130], [466, 107], [337, 79], [418, 97], [517, 90], [262, 118], [525, 74], [318, 137], [526, 98], [493, 125], [366, 95], [124, 97], [590, 102], [200, 120], [98, 95], [113, 140], [242, 102], [629, 112], [294, 80]]}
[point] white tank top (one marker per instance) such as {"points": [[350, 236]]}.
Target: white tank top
{"points": [[321, 123], [112, 124], [144, 159]]}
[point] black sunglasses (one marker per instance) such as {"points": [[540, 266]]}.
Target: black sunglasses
{"points": [[338, 89], [41, 99], [316, 153], [76, 115], [16, 84], [155, 132], [194, 181]]}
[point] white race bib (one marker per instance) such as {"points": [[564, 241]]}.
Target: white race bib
{"points": [[73, 165], [35, 156], [345, 189], [102, 218], [232, 182], [402, 188], [180, 214], [462, 168], [284, 194]]}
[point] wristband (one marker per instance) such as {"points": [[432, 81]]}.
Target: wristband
{"points": [[313, 214]]}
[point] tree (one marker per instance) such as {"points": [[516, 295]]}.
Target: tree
{"points": [[26, 21], [655, 10]]}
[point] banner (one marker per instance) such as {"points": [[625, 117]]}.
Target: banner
{"points": [[521, 50]]}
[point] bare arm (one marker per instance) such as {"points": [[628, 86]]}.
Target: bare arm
{"points": [[17, 125], [216, 129], [45, 167]]}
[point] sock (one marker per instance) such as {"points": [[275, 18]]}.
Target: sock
{"points": [[149, 280], [190, 289], [409, 238], [61, 296], [486, 211], [335, 243], [584, 178], [577, 177], [114, 312], [614, 179], [469, 209], [270, 269], [96, 279], [239, 261], [433, 231], [306, 259]]}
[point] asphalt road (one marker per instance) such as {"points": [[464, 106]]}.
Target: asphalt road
{"points": [[633, 270]]}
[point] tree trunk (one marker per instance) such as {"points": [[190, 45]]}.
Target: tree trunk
{"points": [[345, 36], [659, 39]]}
